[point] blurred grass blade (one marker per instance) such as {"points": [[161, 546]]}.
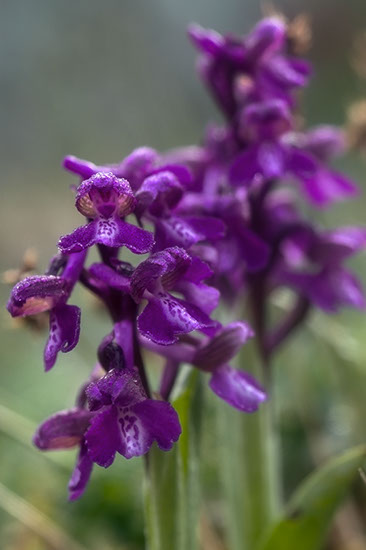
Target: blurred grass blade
{"points": [[21, 429], [311, 509], [16, 426], [35, 520], [172, 485]]}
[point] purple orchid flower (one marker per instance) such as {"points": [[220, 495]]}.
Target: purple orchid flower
{"points": [[120, 419], [125, 420], [238, 388], [166, 317], [212, 355], [105, 200], [274, 154], [36, 294], [313, 267]]}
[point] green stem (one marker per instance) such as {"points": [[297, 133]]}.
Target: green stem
{"points": [[172, 495], [261, 498], [160, 499]]}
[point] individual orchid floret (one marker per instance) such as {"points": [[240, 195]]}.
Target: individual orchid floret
{"points": [[238, 388], [65, 430], [105, 200], [125, 420], [275, 152], [37, 294], [166, 317], [314, 267]]}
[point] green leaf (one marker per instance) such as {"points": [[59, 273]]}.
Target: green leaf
{"points": [[311, 509], [172, 484]]}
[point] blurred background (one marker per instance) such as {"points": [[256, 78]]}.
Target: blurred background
{"points": [[97, 79]]}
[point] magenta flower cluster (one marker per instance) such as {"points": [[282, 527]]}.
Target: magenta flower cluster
{"points": [[226, 214]]}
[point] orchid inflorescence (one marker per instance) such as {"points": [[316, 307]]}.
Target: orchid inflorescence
{"points": [[226, 213]]}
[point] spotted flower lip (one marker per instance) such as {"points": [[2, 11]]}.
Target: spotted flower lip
{"points": [[125, 420], [104, 199]]}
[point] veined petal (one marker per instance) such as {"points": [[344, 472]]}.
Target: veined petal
{"points": [[81, 474], [112, 232], [110, 277], [64, 332], [103, 438], [160, 421], [238, 388], [80, 239], [165, 317], [35, 294], [62, 430]]}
